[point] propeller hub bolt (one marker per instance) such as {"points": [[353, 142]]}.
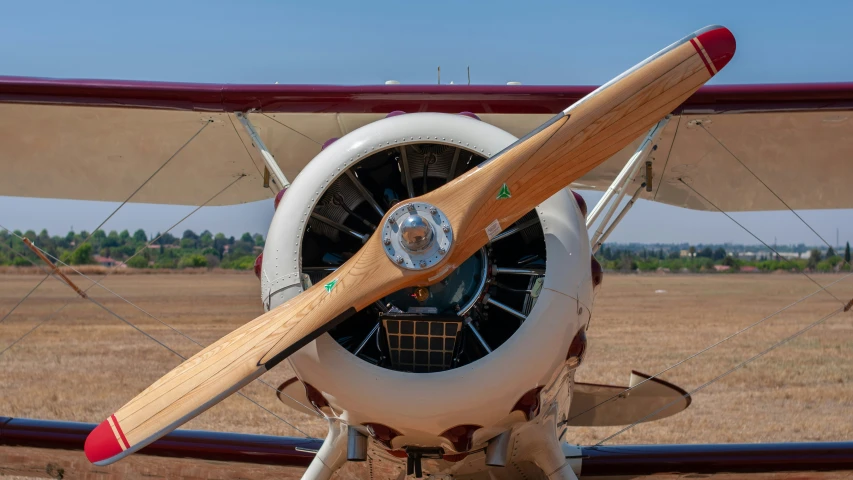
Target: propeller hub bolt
{"points": [[416, 233]]}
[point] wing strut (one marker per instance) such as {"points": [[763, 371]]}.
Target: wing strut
{"points": [[598, 242], [269, 160], [620, 185]]}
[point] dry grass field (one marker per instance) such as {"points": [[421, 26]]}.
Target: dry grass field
{"points": [[84, 363]]}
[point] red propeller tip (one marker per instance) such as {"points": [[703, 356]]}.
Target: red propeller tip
{"points": [[102, 444], [719, 47]]}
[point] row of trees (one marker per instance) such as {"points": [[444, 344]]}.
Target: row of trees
{"points": [[206, 249], [615, 253], [190, 250], [704, 260]]}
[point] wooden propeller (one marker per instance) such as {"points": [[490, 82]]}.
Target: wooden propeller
{"points": [[501, 190]]}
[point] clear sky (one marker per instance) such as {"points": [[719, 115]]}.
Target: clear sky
{"points": [[359, 43]]}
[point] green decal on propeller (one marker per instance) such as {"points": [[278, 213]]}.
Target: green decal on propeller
{"points": [[329, 286], [504, 192]]}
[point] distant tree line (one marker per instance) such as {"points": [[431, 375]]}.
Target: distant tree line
{"points": [[636, 257], [205, 249], [190, 250]]}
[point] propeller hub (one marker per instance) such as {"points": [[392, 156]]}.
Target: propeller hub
{"points": [[416, 233]]}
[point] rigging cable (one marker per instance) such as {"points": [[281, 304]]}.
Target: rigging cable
{"points": [[89, 237], [762, 182], [291, 128], [668, 154], [28, 293], [170, 327], [727, 372], [141, 249], [97, 282], [151, 337], [179, 150], [251, 158], [756, 237], [700, 352], [845, 306], [822, 288], [269, 187]]}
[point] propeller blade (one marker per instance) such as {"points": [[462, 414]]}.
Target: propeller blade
{"points": [[477, 205]]}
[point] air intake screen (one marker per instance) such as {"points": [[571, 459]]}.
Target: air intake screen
{"points": [[421, 345]]}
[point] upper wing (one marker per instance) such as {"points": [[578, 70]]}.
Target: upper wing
{"points": [[797, 139], [100, 140]]}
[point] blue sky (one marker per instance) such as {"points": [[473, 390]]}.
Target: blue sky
{"points": [[357, 43]]}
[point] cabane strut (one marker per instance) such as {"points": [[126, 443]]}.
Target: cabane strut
{"points": [[620, 186]]}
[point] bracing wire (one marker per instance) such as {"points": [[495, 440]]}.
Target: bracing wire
{"points": [[755, 237], [178, 151], [97, 282], [89, 237], [141, 249], [668, 155], [108, 273], [248, 154], [844, 307], [47, 275], [28, 293], [726, 373], [155, 340], [130, 324], [763, 183], [706, 349], [161, 322], [251, 160], [290, 128]]}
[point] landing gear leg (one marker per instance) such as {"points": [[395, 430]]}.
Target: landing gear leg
{"points": [[331, 455], [538, 443]]}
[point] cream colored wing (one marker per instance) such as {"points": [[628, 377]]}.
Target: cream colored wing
{"points": [[804, 154]]}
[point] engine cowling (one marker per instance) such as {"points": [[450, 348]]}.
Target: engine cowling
{"points": [[424, 356]]}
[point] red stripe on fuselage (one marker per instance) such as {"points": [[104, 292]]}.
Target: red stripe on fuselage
{"points": [[120, 432], [702, 56]]}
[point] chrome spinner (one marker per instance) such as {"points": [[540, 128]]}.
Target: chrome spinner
{"points": [[416, 235]]}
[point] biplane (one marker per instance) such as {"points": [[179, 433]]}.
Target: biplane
{"points": [[429, 273]]}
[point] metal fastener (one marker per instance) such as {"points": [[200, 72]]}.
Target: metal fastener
{"points": [[441, 251], [398, 259], [433, 210], [423, 263], [387, 241], [445, 227]]}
